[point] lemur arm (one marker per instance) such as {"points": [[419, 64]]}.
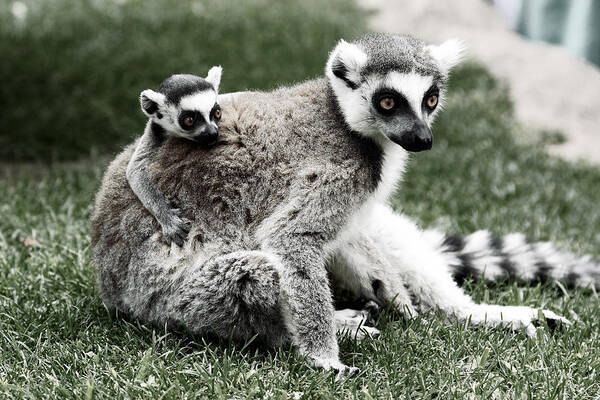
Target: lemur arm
{"points": [[174, 227], [300, 233]]}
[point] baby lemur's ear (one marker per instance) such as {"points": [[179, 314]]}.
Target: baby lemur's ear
{"points": [[345, 63], [214, 77], [448, 54], [151, 101]]}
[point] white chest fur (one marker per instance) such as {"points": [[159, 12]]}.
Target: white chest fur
{"points": [[392, 169]]}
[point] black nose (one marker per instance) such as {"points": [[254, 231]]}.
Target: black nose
{"points": [[207, 136], [419, 138], [211, 132]]}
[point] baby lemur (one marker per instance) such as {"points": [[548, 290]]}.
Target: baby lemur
{"points": [[185, 106]]}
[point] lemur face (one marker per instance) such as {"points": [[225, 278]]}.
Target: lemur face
{"points": [[186, 106], [390, 87]]}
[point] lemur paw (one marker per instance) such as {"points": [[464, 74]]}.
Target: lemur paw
{"points": [[372, 309], [519, 318], [352, 322], [554, 320], [176, 229], [331, 364]]}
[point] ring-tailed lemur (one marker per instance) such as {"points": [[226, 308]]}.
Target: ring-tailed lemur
{"points": [[185, 106], [297, 189]]}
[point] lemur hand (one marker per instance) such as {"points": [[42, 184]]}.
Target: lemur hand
{"points": [[175, 227], [341, 370]]}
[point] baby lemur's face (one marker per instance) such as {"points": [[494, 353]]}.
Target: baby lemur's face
{"points": [[186, 106]]}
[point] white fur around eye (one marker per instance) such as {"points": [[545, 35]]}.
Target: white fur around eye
{"points": [[413, 86], [202, 102]]}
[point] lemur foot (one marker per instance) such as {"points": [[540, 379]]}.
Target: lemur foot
{"points": [[516, 318], [352, 322], [372, 309], [331, 364], [554, 320], [176, 228]]}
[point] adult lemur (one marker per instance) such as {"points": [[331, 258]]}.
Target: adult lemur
{"points": [[297, 187]]}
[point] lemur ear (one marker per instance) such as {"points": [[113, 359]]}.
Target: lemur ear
{"points": [[345, 63], [214, 77], [151, 101], [448, 54]]}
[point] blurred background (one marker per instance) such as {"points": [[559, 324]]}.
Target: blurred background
{"points": [[72, 70], [572, 24]]}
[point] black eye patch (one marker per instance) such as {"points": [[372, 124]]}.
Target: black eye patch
{"points": [[388, 101], [187, 115], [214, 114]]}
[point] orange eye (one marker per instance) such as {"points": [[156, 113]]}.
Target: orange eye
{"points": [[432, 101], [387, 103], [217, 114], [189, 121]]}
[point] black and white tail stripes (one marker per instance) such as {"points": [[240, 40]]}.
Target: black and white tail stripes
{"points": [[481, 255]]}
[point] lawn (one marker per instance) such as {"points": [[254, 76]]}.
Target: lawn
{"points": [[57, 340]]}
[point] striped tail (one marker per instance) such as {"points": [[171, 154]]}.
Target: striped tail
{"points": [[481, 255]]}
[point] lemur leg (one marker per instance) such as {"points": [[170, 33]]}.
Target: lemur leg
{"points": [[417, 262], [360, 266], [233, 295], [300, 232]]}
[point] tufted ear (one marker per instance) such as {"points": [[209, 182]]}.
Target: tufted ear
{"points": [[151, 102], [448, 54], [345, 63], [214, 77]]}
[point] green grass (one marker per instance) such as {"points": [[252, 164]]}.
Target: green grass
{"points": [[57, 340]]}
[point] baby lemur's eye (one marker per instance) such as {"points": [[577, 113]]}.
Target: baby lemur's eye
{"points": [[387, 103], [188, 122], [216, 113]]}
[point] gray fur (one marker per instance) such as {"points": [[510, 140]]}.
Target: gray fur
{"points": [[397, 53], [174, 227]]}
